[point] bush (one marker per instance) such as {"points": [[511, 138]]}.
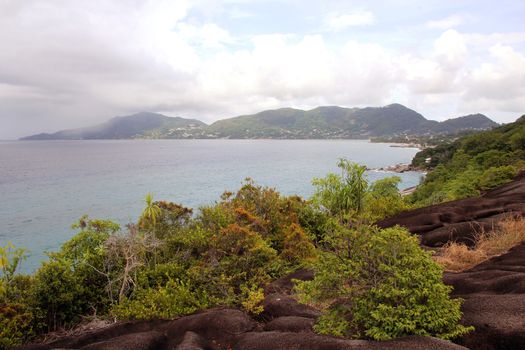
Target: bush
{"points": [[17, 316], [380, 284], [342, 195], [71, 283], [383, 199], [174, 299], [497, 176]]}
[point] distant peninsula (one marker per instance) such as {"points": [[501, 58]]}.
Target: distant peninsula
{"points": [[327, 122]]}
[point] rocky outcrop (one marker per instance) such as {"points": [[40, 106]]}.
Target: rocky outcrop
{"points": [[311, 341], [208, 334], [462, 220], [285, 324], [494, 293]]}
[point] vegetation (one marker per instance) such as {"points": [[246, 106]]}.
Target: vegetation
{"points": [[174, 262], [470, 165], [380, 284], [330, 122], [350, 198], [458, 256]]}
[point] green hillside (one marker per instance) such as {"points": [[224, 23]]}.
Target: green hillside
{"points": [[471, 164], [339, 122], [328, 122]]}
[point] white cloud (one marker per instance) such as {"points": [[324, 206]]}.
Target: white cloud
{"points": [[68, 64], [337, 22], [208, 35], [441, 71], [449, 22], [498, 84]]}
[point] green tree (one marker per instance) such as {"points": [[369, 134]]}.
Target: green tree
{"points": [[150, 214], [73, 283], [380, 284], [342, 195], [10, 258]]}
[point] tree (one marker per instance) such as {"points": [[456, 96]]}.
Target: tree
{"points": [[380, 284], [342, 195], [150, 214]]}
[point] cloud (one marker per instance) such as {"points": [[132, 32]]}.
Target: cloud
{"points": [[69, 64], [449, 22], [441, 71], [338, 22], [498, 84], [207, 35]]}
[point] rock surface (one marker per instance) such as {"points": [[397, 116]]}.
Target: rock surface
{"points": [[462, 219], [494, 293]]}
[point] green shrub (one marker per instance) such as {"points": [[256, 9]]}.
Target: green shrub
{"points": [[342, 195], [380, 284], [383, 199], [16, 324], [333, 322], [72, 282], [497, 176], [18, 319], [174, 299], [297, 247]]}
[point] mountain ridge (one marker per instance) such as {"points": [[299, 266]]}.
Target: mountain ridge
{"points": [[323, 122]]}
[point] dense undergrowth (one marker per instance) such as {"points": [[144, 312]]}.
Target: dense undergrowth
{"points": [[470, 165], [173, 262]]}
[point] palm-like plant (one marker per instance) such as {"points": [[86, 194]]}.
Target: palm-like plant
{"points": [[151, 212]]}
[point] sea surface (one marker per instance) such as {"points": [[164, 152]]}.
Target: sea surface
{"points": [[45, 186]]}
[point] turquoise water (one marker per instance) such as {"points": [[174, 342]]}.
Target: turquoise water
{"points": [[45, 186]]}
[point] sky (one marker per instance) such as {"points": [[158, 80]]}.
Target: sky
{"points": [[67, 64]]}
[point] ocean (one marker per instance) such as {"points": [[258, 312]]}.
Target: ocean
{"points": [[46, 186]]}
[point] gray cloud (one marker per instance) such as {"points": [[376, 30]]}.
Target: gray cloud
{"points": [[67, 64]]}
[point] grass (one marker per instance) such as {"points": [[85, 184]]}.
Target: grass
{"points": [[459, 257]]}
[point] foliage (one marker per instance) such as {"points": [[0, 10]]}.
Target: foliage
{"points": [[253, 299], [172, 262], [333, 322], [471, 164], [70, 283], [297, 247], [351, 199], [342, 195], [380, 284], [10, 258], [173, 299], [150, 214], [126, 253], [383, 199], [16, 316], [496, 176]]}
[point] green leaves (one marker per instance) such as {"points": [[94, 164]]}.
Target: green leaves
{"points": [[380, 283], [471, 164], [342, 195], [150, 214]]}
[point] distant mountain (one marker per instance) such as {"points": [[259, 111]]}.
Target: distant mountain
{"points": [[329, 122], [339, 122], [468, 122], [140, 125]]}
